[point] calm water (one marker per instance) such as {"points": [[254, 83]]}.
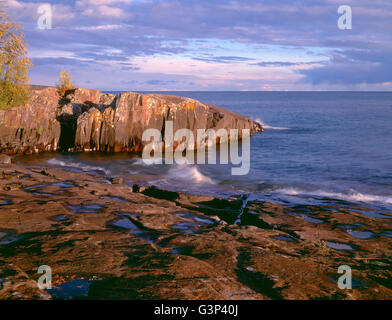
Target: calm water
{"points": [[317, 148]]}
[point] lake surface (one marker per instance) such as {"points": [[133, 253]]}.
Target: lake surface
{"points": [[318, 148]]}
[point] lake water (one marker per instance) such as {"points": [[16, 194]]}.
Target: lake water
{"points": [[317, 148]]}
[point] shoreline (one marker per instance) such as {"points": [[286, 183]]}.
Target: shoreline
{"points": [[114, 241], [85, 162], [89, 120]]}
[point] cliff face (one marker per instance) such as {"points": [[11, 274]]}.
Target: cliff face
{"points": [[88, 120], [31, 128]]}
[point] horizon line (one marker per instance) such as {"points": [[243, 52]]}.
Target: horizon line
{"points": [[238, 91]]}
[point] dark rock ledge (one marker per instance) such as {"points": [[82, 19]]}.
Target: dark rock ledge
{"points": [[115, 241], [88, 120]]}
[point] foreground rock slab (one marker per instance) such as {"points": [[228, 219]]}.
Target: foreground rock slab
{"points": [[104, 241]]}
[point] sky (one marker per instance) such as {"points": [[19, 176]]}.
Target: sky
{"points": [[210, 45]]}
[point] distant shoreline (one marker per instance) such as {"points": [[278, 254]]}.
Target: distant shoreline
{"points": [[39, 87]]}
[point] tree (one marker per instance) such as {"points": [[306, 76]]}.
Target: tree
{"points": [[65, 83], [14, 64]]}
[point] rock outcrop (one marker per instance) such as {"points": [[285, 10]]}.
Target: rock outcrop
{"points": [[33, 127], [88, 120], [104, 241]]}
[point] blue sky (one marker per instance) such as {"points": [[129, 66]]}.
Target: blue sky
{"points": [[210, 45]]}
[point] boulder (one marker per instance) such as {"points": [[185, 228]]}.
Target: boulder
{"points": [[4, 159]]}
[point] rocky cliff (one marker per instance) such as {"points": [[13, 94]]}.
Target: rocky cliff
{"points": [[88, 120]]}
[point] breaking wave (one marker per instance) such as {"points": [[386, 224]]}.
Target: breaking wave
{"points": [[188, 173], [147, 162], [268, 127], [351, 196], [82, 166]]}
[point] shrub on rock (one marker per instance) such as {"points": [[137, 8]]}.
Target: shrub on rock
{"points": [[14, 64]]}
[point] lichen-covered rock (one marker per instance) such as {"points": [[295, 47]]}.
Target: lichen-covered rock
{"points": [[88, 120], [118, 125], [33, 127]]}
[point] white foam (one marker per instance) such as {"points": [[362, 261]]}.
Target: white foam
{"points": [[290, 191], [268, 127], [189, 173], [84, 167], [352, 195], [147, 162], [357, 196]]}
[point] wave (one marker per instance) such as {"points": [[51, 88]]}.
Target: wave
{"points": [[352, 196], [147, 162], [268, 127], [189, 174], [84, 167]]}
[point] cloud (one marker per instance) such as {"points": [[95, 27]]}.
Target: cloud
{"points": [[160, 82], [101, 9], [58, 61], [373, 66], [62, 14], [130, 68], [247, 44], [223, 59], [105, 2], [285, 63], [98, 27]]}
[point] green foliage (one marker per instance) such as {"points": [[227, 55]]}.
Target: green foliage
{"points": [[14, 64], [12, 95], [65, 83]]}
